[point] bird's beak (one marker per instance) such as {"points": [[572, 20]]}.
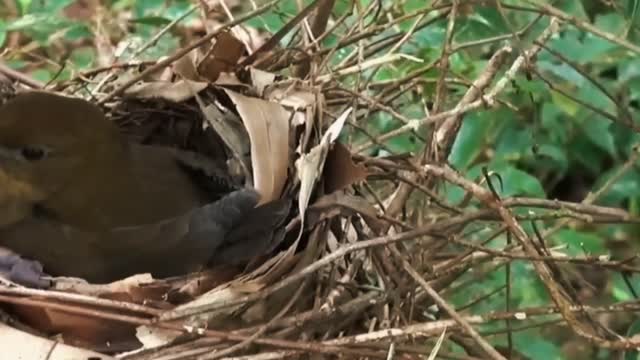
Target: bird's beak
{"points": [[16, 198], [15, 192]]}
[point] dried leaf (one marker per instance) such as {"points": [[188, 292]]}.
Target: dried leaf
{"points": [[151, 337], [229, 79], [268, 126], [231, 131], [339, 203], [340, 171], [223, 57], [174, 91], [24, 346], [310, 165], [185, 66], [250, 36], [261, 79], [300, 100], [78, 330]]}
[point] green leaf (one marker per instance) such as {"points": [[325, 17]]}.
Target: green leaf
{"points": [[634, 89], [624, 139], [535, 87], [628, 69], [78, 32], [42, 75], [534, 346], [578, 242], [24, 5], [83, 57], [31, 21], [565, 104], [628, 185], [49, 6], [514, 143], [178, 9], [596, 128], [620, 290], [516, 182], [597, 49], [633, 330], [3, 32], [148, 7], [587, 154], [611, 22], [563, 71], [151, 20], [554, 122], [569, 45], [403, 143], [556, 154], [39, 26], [470, 140], [593, 96], [574, 8]]}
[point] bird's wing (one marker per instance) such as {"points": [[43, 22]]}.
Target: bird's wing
{"points": [[170, 247], [208, 174], [260, 232]]}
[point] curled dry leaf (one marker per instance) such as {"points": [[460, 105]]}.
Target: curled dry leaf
{"points": [[139, 288], [268, 126], [92, 332], [250, 36], [260, 79], [178, 91], [229, 79], [340, 171], [185, 66], [231, 131], [266, 274], [152, 336], [24, 346], [78, 329], [203, 65], [339, 203], [297, 99], [222, 58], [310, 165]]}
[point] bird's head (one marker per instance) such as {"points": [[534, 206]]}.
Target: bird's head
{"points": [[47, 139]]}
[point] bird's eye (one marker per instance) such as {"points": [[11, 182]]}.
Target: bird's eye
{"points": [[33, 153]]}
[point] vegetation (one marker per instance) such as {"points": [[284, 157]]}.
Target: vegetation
{"points": [[535, 101]]}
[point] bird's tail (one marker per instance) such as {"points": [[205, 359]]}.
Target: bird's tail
{"points": [[249, 231], [259, 232]]}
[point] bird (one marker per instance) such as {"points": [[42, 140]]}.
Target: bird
{"points": [[82, 201]]}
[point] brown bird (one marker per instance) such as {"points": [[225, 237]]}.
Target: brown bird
{"points": [[78, 198]]}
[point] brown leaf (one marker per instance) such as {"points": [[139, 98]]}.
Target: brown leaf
{"points": [[339, 203], [310, 165], [232, 133], [185, 66], [223, 57], [174, 91], [260, 79], [268, 126], [21, 345], [340, 171], [300, 100], [78, 330]]}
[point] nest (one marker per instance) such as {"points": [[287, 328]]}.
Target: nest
{"points": [[265, 132], [370, 249]]}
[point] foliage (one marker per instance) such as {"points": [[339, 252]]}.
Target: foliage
{"points": [[561, 129]]}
